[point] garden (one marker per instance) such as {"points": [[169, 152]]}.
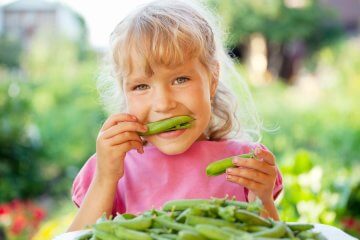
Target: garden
{"points": [[51, 114]]}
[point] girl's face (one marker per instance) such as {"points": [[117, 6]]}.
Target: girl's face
{"points": [[167, 92]]}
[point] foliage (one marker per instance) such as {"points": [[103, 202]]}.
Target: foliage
{"points": [[316, 143], [49, 120], [20, 148], [10, 50], [312, 23]]}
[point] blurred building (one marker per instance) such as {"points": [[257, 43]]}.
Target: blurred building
{"points": [[22, 19]]}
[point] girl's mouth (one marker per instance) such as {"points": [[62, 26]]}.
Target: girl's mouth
{"points": [[171, 134]]}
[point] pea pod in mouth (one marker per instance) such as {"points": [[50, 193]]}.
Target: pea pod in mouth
{"points": [[167, 125]]}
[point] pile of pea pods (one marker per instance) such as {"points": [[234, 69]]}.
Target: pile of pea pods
{"points": [[199, 219]]}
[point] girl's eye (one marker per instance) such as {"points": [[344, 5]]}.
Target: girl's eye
{"points": [[140, 87], [181, 80]]}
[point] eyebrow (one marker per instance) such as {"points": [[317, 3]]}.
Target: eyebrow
{"points": [[131, 81]]}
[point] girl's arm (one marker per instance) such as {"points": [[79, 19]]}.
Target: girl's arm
{"points": [[98, 199], [259, 176], [270, 211], [117, 136]]}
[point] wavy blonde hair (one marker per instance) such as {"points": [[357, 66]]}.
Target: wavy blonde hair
{"points": [[169, 32]]}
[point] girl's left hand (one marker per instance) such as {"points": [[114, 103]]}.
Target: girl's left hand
{"points": [[256, 174]]}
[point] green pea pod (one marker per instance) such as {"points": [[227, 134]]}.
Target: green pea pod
{"points": [[251, 218], [170, 223], [227, 213], [237, 232], [166, 125], [300, 226], [277, 231], [190, 235], [137, 223], [219, 167], [104, 235], [195, 220], [214, 233], [124, 233], [183, 204]]}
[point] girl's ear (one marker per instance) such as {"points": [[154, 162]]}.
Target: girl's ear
{"points": [[214, 81]]}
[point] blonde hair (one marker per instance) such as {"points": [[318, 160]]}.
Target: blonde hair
{"points": [[169, 32]]}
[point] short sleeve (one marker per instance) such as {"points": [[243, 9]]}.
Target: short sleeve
{"points": [[83, 180], [278, 184]]}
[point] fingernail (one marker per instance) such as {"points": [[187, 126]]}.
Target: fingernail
{"points": [[229, 170], [133, 117], [235, 160]]}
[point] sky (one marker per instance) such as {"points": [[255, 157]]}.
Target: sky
{"points": [[101, 16]]}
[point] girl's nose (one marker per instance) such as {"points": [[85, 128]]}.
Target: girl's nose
{"points": [[163, 101]]}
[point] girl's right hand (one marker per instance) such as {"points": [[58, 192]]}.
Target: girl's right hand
{"points": [[117, 136]]}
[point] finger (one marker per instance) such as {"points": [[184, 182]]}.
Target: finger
{"points": [[116, 118], [127, 146], [254, 164], [251, 185], [250, 174], [265, 155], [124, 137], [123, 127]]}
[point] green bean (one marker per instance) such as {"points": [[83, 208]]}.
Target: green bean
{"points": [[104, 235], [170, 124], [138, 223], [227, 213], [183, 204], [289, 232], [129, 234], [169, 223], [219, 167], [194, 220], [169, 236], [213, 232], [278, 230], [159, 237], [107, 226], [190, 235], [157, 230], [241, 205], [253, 228], [251, 218], [300, 226], [237, 232], [128, 216], [306, 235]]}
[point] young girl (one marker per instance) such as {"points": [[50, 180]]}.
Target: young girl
{"points": [[168, 60]]}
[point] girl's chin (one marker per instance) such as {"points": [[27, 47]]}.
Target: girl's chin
{"points": [[171, 147]]}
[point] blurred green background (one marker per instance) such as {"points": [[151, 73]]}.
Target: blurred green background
{"points": [[301, 59]]}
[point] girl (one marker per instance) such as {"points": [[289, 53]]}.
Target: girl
{"points": [[168, 60]]}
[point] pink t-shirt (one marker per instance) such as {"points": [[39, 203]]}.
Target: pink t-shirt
{"points": [[152, 178]]}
